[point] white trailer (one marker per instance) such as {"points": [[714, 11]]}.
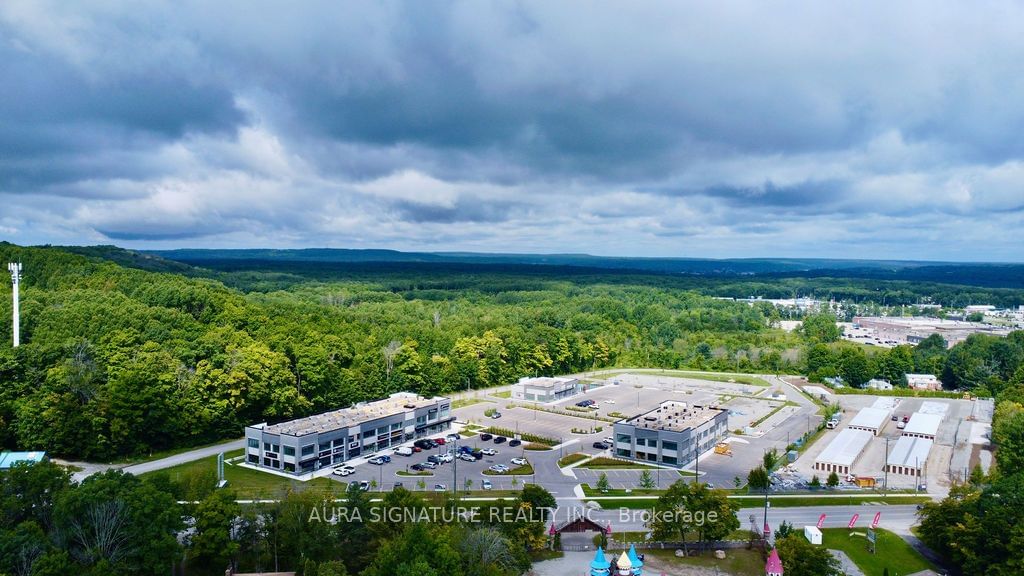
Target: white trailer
{"points": [[813, 535]]}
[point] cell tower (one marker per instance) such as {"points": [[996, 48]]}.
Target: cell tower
{"points": [[16, 281]]}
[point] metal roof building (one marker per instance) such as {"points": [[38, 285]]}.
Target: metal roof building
{"points": [[909, 455], [844, 449], [870, 419], [923, 425], [9, 459]]}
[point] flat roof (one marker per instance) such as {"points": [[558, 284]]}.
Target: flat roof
{"points": [[873, 418], [886, 403], [932, 407], [545, 381], [397, 403], [920, 423], [910, 451], [845, 447], [675, 416]]}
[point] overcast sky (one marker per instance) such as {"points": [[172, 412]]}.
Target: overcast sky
{"points": [[710, 129]]}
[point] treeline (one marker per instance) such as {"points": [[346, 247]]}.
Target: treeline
{"points": [[119, 361], [118, 524]]}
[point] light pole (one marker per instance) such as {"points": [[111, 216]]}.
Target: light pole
{"points": [[455, 465], [885, 487]]}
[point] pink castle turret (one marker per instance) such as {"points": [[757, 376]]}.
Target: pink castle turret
{"points": [[774, 565]]}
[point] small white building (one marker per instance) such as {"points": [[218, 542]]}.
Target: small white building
{"points": [[909, 456], [843, 451], [923, 425], [923, 382], [546, 389], [870, 419], [878, 384], [813, 535]]}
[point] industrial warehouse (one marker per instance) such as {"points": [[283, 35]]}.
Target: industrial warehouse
{"points": [[308, 444], [673, 434], [843, 451], [545, 389], [908, 456]]}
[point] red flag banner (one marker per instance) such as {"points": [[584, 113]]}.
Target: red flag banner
{"points": [[821, 521], [767, 529], [874, 523], [853, 520]]}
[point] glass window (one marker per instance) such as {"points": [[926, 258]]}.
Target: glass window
{"points": [[641, 442], [254, 443], [669, 460], [623, 437], [289, 451], [266, 446], [396, 426], [307, 450], [623, 453], [669, 445]]}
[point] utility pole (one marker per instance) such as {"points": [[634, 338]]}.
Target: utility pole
{"points": [[885, 487], [455, 466], [15, 270]]}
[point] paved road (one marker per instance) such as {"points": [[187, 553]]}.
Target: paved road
{"points": [[898, 518], [88, 468]]}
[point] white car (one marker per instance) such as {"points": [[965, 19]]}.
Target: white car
{"points": [[609, 401], [486, 485], [499, 468], [447, 457], [610, 440], [519, 461], [344, 471], [467, 458], [488, 451]]}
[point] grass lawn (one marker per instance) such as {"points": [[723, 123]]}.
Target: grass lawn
{"points": [[463, 402], [166, 453], [524, 470], [739, 562], [605, 463], [414, 473], [505, 394], [248, 483], [712, 376], [571, 459], [536, 447], [654, 492], [891, 552]]}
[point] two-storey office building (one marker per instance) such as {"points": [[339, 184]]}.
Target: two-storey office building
{"points": [[307, 444], [546, 389], [674, 434]]}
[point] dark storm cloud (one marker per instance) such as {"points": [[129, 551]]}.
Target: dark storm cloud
{"points": [[735, 128]]}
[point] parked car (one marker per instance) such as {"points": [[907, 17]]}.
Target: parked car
{"points": [[895, 417], [467, 457], [353, 484], [344, 470], [364, 486], [602, 445], [429, 465], [499, 468], [439, 441], [396, 485], [499, 439], [486, 485], [434, 459], [440, 488], [514, 442], [496, 415], [417, 449], [485, 437], [609, 441], [519, 461], [404, 451], [446, 457], [452, 437], [489, 451], [585, 403], [609, 401], [417, 467]]}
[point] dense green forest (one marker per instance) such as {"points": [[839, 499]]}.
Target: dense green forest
{"points": [[118, 524], [118, 360]]}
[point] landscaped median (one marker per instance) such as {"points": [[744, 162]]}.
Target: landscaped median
{"points": [[572, 459], [640, 499], [606, 463], [524, 470]]}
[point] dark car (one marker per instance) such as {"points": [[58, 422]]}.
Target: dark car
{"points": [[397, 485], [385, 458], [423, 444], [602, 445], [486, 437], [417, 467], [499, 439], [353, 484], [465, 449], [583, 403], [477, 454], [434, 459], [514, 442]]}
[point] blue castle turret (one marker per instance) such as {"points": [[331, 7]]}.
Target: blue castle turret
{"points": [[600, 566]]}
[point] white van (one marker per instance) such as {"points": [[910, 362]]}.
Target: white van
{"points": [[404, 451]]}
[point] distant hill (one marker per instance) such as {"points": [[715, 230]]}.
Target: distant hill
{"points": [[972, 274]]}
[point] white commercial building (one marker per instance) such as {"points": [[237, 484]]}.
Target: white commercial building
{"points": [[923, 382], [843, 451], [813, 535], [870, 419], [545, 389], [878, 384], [909, 455], [923, 425]]}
